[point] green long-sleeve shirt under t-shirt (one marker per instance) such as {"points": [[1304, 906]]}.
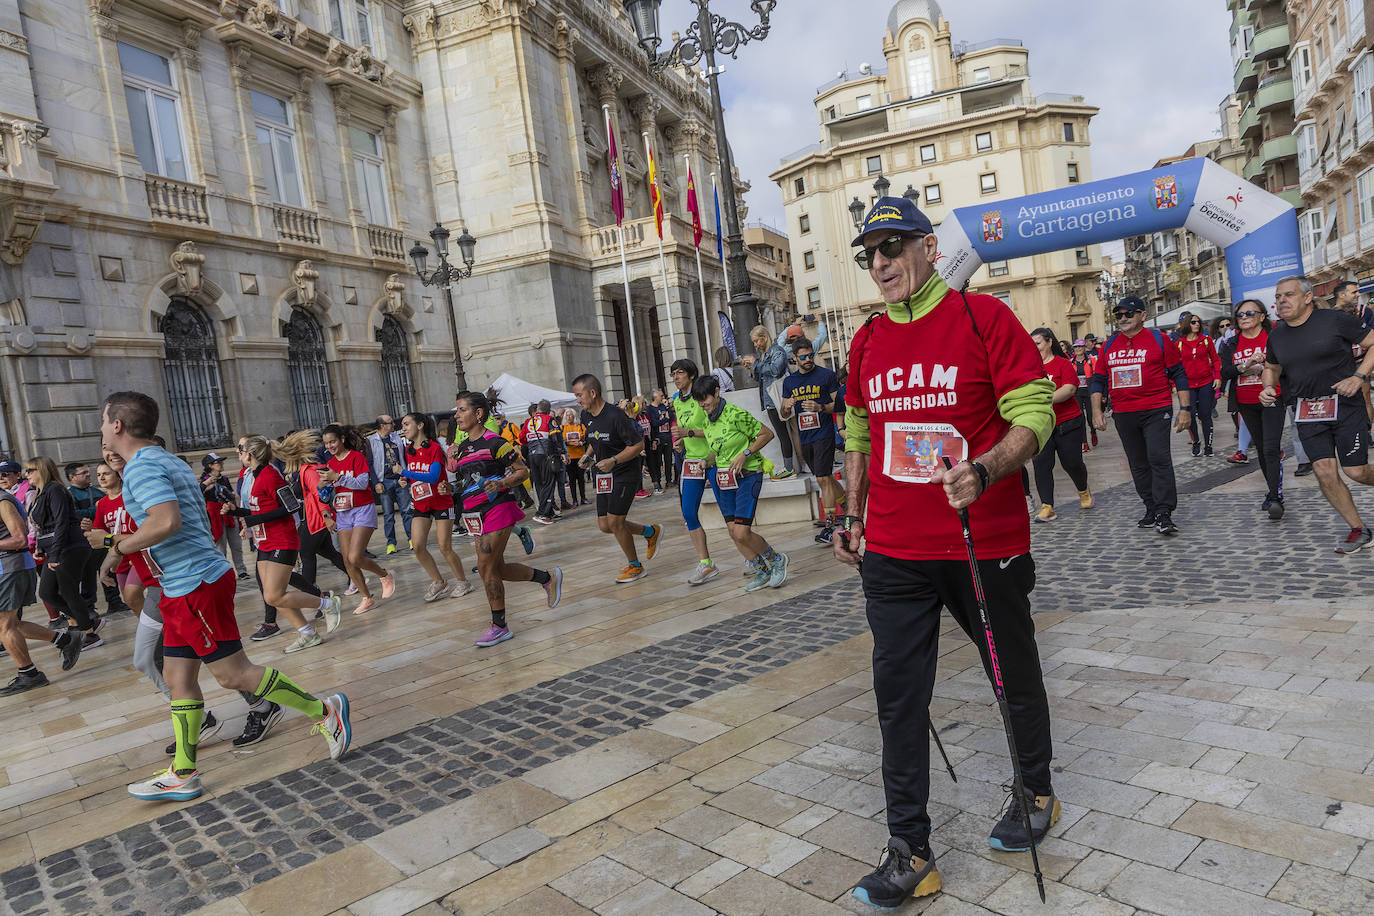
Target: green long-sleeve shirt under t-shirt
{"points": [[1029, 405]]}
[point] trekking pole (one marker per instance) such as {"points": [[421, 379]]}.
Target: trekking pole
{"points": [[1018, 786], [844, 536], [948, 766]]}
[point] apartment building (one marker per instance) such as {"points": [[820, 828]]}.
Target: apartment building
{"points": [[955, 124]]}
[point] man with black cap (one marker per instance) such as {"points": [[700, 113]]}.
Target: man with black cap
{"points": [[940, 375], [1137, 366]]}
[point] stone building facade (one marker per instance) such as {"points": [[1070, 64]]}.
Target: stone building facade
{"points": [[213, 201], [954, 124]]}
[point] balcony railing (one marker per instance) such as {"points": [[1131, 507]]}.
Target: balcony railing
{"points": [[386, 242], [640, 236], [296, 225], [178, 201]]}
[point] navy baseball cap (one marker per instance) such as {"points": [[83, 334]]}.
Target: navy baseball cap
{"points": [[896, 213], [9, 467], [1130, 304]]}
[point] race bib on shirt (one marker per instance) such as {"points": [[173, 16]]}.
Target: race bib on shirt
{"points": [[1126, 376], [915, 451], [472, 523], [258, 533], [693, 469], [343, 501], [421, 490], [809, 420], [725, 479], [1316, 410], [604, 483], [1245, 381]]}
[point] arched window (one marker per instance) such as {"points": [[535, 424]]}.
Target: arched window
{"points": [[311, 397], [400, 394], [195, 390]]}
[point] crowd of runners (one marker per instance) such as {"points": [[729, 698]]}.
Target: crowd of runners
{"points": [[951, 401]]}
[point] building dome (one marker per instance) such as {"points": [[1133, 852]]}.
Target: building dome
{"points": [[906, 10]]}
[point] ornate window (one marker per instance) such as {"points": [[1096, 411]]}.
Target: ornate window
{"points": [[400, 394], [191, 370], [277, 152], [311, 397], [154, 112], [370, 169]]}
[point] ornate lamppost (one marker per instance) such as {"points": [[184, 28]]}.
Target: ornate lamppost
{"points": [[707, 35], [444, 276]]}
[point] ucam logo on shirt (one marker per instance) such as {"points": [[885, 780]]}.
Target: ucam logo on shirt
{"points": [[899, 384]]}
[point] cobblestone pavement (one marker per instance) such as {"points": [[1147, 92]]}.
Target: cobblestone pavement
{"points": [[658, 749]]}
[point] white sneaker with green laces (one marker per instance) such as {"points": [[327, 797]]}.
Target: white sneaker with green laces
{"points": [[168, 786], [304, 641], [335, 726], [333, 615]]}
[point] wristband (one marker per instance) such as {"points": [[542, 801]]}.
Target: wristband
{"points": [[1361, 376], [1187, 407], [117, 551], [984, 478], [849, 520]]}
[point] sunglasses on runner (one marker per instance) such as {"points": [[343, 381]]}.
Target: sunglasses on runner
{"points": [[1122, 313], [890, 248], [1248, 313]]}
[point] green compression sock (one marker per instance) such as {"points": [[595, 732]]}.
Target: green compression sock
{"points": [[280, 689], [186, 718]]}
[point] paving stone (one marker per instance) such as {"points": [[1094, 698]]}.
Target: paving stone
{"points": [[762, 848], [652, 897], [1095, 872], [1134, 840], [710, 877], [1164, 809], [970, 876], [1289, 804], [513, 846], [860, 798], [544, 901], [1019, 897], [702, 825], [1243, 869], [1169, 893], [825, 874], [1190, 783], [761, 804], [753, 894], [790, 777], [596, 882], [663, 857], [1100, 794], [1270, 835], [856, 837], [840, 760], [1236, 737]]}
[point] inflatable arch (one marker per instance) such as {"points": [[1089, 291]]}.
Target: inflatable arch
{"points": [[1257, 230]]}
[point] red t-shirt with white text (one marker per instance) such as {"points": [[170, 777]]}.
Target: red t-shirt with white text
{"points": [[279, 533], [112, 518], [1135, 370], [931, 388], [1061, 372], [424, 495], [1248, 387]]}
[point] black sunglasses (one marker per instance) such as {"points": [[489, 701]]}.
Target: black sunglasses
{"points": [[889, 247], [1122, 313], [1249, 313]]}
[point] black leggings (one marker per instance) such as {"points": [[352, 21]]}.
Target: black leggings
{"points": [[61, 587], [298, 582], [1066, 441], [577, 483], [1266, 431], [319, 544], [784, 438]]}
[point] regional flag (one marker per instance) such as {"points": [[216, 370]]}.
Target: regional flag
{"points": [[617, 191], [720, 245], [693, 208], [654, 191]]}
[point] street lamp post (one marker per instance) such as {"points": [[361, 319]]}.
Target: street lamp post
{"points": [[444, 276], [707, 35]]}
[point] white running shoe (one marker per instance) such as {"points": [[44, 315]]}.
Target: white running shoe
{"points": [[462, 588], [436, 591], [704, 572], [303, 642], [335, 726], [168, 786], [333, 615], [554, 587], [351, 590]]}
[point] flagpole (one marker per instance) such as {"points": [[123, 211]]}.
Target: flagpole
{"points": [[662, 261], [715, 195], [701, 283], [625, 273]]}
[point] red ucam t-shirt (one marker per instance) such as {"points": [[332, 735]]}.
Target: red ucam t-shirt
{"points": [[355, 492], [1136, 370], [1061, 372], [1248, 387], [279, 533], [931, 388], [426, 496], [1200, 360], [112, 518]]}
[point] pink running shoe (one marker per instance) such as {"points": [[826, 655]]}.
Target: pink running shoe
{"points": [[388, 584], [492, 636], [366, 605]]}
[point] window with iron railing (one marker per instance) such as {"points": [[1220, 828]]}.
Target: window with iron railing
{"points": [[190, 368], [396, 381], [312, 398]]}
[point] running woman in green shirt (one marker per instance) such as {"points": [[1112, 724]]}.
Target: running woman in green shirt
{"points": [[736, 437], [689, 438]]}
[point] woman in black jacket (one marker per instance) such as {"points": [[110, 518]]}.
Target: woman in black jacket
{"points": [[63, 544]]}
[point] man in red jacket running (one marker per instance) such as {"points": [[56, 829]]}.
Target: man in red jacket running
{"points": [[1136, 366]]}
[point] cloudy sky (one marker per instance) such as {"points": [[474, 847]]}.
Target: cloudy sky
{"points": [[1157, 71]]}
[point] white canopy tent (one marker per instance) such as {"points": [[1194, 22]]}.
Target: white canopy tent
{"points": [[1167, 321], [515, 395]]}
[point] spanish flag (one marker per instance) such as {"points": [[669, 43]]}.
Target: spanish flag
{"points": [[653, 190]]}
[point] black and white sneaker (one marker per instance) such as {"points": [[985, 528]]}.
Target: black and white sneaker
{"points": [[71, 649], [258, 725], [1164, 524], [1146, 521], [898, 878], [24, 682], [825, 536], [265, 631], [1355, 540], [208, 729]]}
